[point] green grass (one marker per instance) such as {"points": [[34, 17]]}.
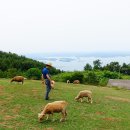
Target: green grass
{"points": [[20, 104]]}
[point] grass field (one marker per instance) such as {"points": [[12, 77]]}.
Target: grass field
{"points": [[20, 104]]}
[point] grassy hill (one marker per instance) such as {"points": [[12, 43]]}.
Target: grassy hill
{"points": [[20, 104], [12, 65]]}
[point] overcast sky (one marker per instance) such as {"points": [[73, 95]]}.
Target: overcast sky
{"points": [[31, 26]]}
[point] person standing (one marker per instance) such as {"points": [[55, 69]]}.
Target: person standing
{"points": [[46, 76]]}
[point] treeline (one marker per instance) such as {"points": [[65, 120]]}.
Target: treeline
{"points": [[113, 67], [92, 77], [12, 64], [98, 74]]}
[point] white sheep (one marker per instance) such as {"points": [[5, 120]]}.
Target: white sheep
{"points": [[84, 93], [54, 107], [52, 84], [67, 81]]}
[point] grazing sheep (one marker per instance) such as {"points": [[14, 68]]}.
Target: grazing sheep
{"points": [[67, 81], [18, 79], [76, 82], [54, 107], [84, 93]]}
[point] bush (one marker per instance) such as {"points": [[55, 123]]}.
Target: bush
{"points": [[91, 78], [103, 81], [77, 76], [12, 72], [63, 77], [111, 75], [33, 73], [3, 74]]}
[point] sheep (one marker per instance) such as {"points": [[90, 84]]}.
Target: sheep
{"points": [[18, 79], [76, 82], [84, 93], [52, 84], [67, 81], [54, 107]]}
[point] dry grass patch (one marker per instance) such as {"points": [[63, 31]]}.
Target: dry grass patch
{"points": [[8, 117], [99, 113], [111, 119], [118, 99], [48, 129]]}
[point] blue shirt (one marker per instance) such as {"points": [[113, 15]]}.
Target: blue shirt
{"points": [[45, 71]]}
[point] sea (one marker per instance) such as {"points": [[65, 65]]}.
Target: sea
{"points": [[76, 62]]}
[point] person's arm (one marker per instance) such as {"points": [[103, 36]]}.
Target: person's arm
{"points": [[48, 77]]}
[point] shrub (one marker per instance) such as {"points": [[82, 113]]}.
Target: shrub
{"points": [[91, 78], [63, 77], [103, 81], [110, 75], [12, 72], [77, 76], [3, 74], [33, 73]]}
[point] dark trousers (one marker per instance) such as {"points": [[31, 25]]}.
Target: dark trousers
{"points": [[48, 88]]}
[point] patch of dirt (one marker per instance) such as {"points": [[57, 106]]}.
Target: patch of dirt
{"points": [[5, 125], [7, 117], [35, 91], [115, 107], [99, 113], [111, 119], [16, 109], [48, 129], [1, 88], [3, 103], [118, 98], [10, 97], [2, 123]]}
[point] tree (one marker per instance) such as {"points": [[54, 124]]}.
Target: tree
{"points": [[124, 68], [97, 64], [87, 67], [91, 78], [33, 73], [113, 66]]}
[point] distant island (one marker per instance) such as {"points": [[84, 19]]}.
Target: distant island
{"points": [[77, 54]]}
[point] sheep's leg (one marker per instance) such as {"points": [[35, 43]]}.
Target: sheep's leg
{"points": [[65, 113], [47, 116], [63, 117], [87, 99], [81, 100], [90, 100]]}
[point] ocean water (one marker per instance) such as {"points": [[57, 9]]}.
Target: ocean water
{"points": [[71, 63]]}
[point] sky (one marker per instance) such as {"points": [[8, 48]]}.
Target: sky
{"points": [[38, 26]]}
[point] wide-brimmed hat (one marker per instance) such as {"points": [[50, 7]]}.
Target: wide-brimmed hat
{"points": [[49, 64]]}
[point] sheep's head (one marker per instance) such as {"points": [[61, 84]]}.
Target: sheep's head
{"points": [[76, 98], [40, 117]]}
